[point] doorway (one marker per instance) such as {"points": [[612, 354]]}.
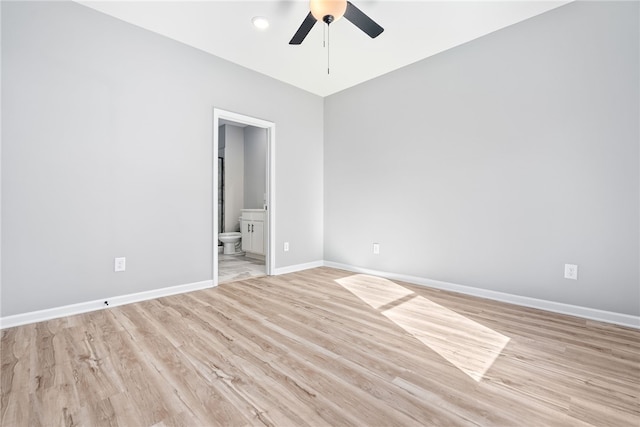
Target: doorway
{"points": [[226, 117]]}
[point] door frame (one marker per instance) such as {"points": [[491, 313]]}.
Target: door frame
{"points": [[270, 243]]}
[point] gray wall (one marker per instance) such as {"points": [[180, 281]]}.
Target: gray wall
{"points": [[107, 151], [233, 177], [492, 164], [255, 167], [495, 163]]}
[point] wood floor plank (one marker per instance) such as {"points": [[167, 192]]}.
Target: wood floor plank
{"points": [[322, 347]]}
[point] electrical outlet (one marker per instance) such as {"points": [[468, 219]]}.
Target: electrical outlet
{"points": [[286, 246], [120, 264], [376, 248], [571, 271]]}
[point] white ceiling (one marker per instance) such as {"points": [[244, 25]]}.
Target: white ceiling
{"points": [[413, 30]]}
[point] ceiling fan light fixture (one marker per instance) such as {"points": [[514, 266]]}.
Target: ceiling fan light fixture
{"points": [[322, 8], [328, 11], [260, 22]]}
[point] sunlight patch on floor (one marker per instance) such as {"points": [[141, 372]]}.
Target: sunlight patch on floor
{"points": [[465, 343]]}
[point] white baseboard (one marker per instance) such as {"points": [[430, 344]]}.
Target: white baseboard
{"points": [[573, 310], [84, 307], [556, 307], [298, 267]]}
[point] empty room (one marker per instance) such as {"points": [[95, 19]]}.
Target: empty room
{"points": [[320, 213]]}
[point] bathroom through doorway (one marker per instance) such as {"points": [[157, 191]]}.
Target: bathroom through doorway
{"points": [[243, 195]]}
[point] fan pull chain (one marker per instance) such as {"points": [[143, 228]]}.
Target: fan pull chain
{"points": [[328, 44]]}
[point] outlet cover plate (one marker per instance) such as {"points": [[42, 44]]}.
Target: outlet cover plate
{"points": [[286, 246], [120, 264], [376, 248], [571, 271]]}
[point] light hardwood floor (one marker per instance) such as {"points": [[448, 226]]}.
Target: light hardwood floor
{"points": [[317, 348]]}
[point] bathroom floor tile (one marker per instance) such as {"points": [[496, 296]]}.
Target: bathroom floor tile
{"points": [[238, 267]]}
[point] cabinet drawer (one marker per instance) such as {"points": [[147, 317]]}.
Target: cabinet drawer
{"points": [[251, 215]]}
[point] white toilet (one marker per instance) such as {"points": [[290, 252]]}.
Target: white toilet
{"points": [[230, 240]]}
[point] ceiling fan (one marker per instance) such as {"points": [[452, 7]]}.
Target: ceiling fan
{"points": [[329, 11]]}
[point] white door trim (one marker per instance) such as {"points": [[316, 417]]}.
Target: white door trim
{"points": [[218, 115]]}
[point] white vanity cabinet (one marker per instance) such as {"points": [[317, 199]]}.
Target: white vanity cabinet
{"points": [[252, 228]]}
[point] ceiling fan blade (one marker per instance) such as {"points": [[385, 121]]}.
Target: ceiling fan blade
{"points": [[362, 21], [304, 29]]}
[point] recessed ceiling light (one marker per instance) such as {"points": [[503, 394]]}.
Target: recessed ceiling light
{"points": [[260, 22]]}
